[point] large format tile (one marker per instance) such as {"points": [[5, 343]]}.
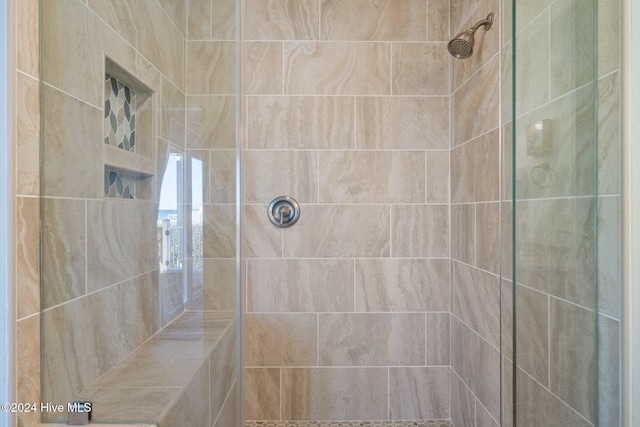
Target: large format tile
{"points": [[419, 393], [335, 231], [222, 370], [463, 403], [438, 176], [438, 339], [222, 176], [261, 238], [403, 122], [27, 135], [300, 122], [573, 355], [371, 339], [372, 177], [172, 122], [223, 22], [609, 136], [128, 405], [262, 393], [211, 67], [27, 256], [420, 231], [299, 285], [228, 415], [219, 231], [388, 20], [476, 104], [337, 68], [64, 249], [118, 241], [281, 20], [399, 285], [334, 394], [211, 122], [192, 408], [27, 36], [609, 371], [28, 365], [177, 12], [438, 20], [71, 135], [532, 333], [488, 237], [475, 170], [609, 26], [420, 69], [609, 268], [476, 300], [281, 339], [219, 284], [269, 174], [262, 72], [478, 365], [463, 233]]}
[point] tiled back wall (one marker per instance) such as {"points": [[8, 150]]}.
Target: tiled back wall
{"points": [[347, 111]]}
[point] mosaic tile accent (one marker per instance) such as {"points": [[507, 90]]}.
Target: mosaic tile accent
{"points": [[119, 114], [413, 423], [119, 185]]}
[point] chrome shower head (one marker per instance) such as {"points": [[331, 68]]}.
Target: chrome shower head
{"points": [[461, 46]]}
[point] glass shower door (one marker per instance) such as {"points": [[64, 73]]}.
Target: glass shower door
{"points": [[566, 251]]}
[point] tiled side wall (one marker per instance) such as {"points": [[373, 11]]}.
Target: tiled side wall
{"points": [[347, 111], [475, 220]]}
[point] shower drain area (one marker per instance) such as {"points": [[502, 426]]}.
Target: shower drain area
{"points": [[411, 423]]}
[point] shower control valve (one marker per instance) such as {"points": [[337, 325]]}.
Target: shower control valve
{"points": [[283, 211]]}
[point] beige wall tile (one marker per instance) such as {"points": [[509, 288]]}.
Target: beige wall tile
{"points": [[64, 248], [28, 367], [229, 413], [300, 122], [222, 371], [262, 393], [526, 12], [388, 20], [281, 20], [224, 20], [400, 285], [371, 339], [158, 39], [420, 231], [554, 248], [461, 11], [438, 176], [269, 174], [261, 238], [192, 408], [372, 177], [70, 55], [572, 356], [281, 339], [565, 167], [219, 231], [463, 233], [532, 333], [475, 170], [334, 394], [438, 339], [172, 118], [609, 249], [300, 285], [338, 231], [463, 403], [118, 241], [573, 37], [609, 349], [27, 256], [199, 19], [480, 372], [438, 20], [609, 159], [532, 63], [476, 300], [172, 301], [177, 12], [71, 120], [222, 176], [403, 122], [211, 67], [609, 25], [27, 37], [219, 284], [262, 73], [476, 104], [488, 237], [420, 69], [27, 114], [211, 122], [484, 418], [419, 393], [337, 68]]}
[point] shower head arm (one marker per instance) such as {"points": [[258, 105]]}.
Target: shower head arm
{"points": [[487, 22]]}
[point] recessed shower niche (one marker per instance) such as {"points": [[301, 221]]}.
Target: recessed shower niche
{"points": [[128, 150]]}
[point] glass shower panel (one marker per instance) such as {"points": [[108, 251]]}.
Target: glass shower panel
{"points": [[138, 270], [565, 213]]}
